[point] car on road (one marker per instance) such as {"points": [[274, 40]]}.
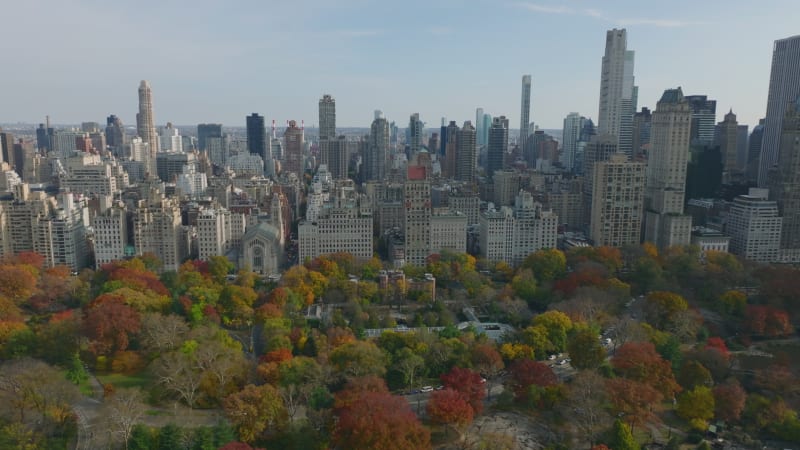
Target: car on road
{"points": [[562, 362], [427, 389], [551, 357]]}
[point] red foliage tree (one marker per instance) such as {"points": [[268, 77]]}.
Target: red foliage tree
{"points": [[469, 384], [279, 355], [729, 401], [601, 447], [357, 387], [237, 446], [526, 373], [379, 421], [633, 398], [448, 407], [718, 344], [109, 323], [639, 361], [767, 321]]}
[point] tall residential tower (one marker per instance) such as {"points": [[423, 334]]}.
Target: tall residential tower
{"points": [[146, 128], [617, 91], [525, 113]]}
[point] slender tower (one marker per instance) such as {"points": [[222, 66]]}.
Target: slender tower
{"points": [[617, 91], [146, 128], [525, 113]]}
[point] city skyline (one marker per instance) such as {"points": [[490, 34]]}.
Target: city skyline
{"points": [[341, 37]]}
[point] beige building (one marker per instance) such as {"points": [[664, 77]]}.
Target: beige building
{"points": [[755, 227], [448, 231], [343, 224], [617, 199], [665, 223], [510, 235], [157, 229], [110, 235], [565, 198], [728, 142], [218, 231], [418, 211]]}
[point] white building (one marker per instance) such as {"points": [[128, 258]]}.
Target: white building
{"points": [[170, 139], [343, 224], [510, 235], [110, 235], [191, 182], [89, 174], [218, 231], [246, 165], [754, 227], [157, 230], [617, 90]]}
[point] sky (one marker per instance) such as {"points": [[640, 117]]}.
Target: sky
{"points": [[219, 61]]}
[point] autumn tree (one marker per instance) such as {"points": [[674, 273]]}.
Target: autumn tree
{"points": [[694, 374], [36, 391], [379, 421], [633, 399], [254, 410], [17, 282], [662, 308], [557, 325], [487, 361], [468, 384], [639, 361], [109, 324], [449, 408], [696, 406], [409, 364], [358, 358], [161, 333], [729, 401], [733, 302], [525, 373], [585, 349]]}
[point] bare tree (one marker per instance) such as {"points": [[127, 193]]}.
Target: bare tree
{"points": [[33, 388], [122, 411], [162, 333], [585, 405], [177, 372]]}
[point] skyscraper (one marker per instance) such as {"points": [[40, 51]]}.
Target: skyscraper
{"points": [[479, 130], [417, 197], [617, 197], [327, 117], [665, 223], [704, 116], [525, 113], [293, 150], [784, 87], [256, 135], [415, 131], [466, 153], [205, 131], [450, 137], [498, 145], [377, 150], [754, 151], [641, 132], [146, 128], [785, 180], [115, 135], [573, 124], [729, 145], [617, 90]]}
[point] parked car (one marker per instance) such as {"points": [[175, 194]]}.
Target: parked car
{"points": [[427, 389]]}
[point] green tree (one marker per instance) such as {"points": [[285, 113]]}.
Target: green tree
{"points": [[694, 374], [622, 438], [557, 325], [141, 438], [697, 406], [546, 264], [357, 359], [219, 267], [169, 437], [524, 285], [76, 372], [585, 349], [663, 307]]}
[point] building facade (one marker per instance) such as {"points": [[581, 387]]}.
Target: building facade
{"points": [[617, 201]]}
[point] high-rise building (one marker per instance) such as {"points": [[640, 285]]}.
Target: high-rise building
{"points": [[665, 223], [450, 139], [205, 131], [754, 151], [327, 117], [704, 116], [7, 147], [466, 153], [641, 132], [617, 90], [485, 123], [784, 87], [511, 234], [599, 149], [728, 141], [293, 150], [418, 212], [573, 124], [171, 139], [342, 224], [785, 179], [334, 155], [146, 128], [415, 131], [256, 135], [479, 130], [157, 230], [377, 151], [110, 235], [498, 145], [525, 112], [115, 135], [617, 199], [741, 147], [755, 227]]}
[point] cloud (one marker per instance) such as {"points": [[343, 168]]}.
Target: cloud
{"points": [[600, 15]]}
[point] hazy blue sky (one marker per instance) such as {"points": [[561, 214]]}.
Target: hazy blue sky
{"points": [[218, 61]]}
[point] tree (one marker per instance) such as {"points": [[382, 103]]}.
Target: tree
{"points": [[525, 373], [524, 285], [693, 374], [585, 349], [255, 409], [662, 308], [696, 406], [409, 363], [36, 391], [633, 398], [161, 333], [379, 421], [449, 408], [122, 411], [169, 437], [177, 373], [729, 401], [358, 358], [622, 438], [76, 373], [109, 324], [17, 283], [585, 405], [469, 384], [141, 438], [546, 264], [639, 361], [557, 325], [733, 302]]}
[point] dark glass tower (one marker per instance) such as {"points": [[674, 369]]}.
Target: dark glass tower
{"points": [[256, 135]]}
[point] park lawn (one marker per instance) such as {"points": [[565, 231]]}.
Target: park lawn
{"points": [[118, 380]]}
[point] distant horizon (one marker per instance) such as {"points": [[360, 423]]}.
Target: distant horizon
{"points": [[210, 63]]}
